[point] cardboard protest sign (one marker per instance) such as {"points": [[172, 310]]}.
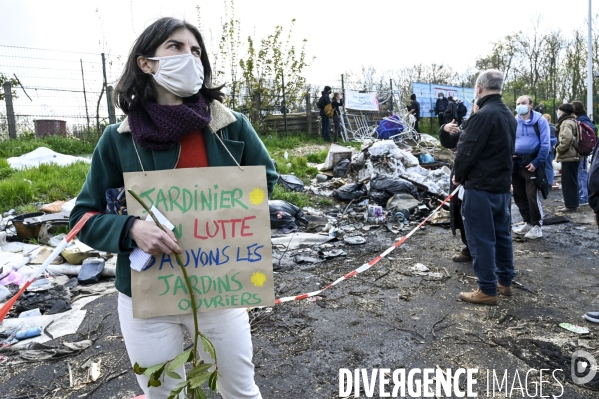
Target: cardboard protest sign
{"points": [[222, 222]]}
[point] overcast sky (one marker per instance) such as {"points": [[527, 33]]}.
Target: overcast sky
{"points": [[342, 35]]}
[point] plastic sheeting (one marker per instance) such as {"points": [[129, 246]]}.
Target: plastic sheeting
{"points": [[43, 155]]}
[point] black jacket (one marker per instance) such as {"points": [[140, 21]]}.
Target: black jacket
{"points": [[484, 156], [451, 113], [323, 101], [440, 105], [336, 105]]}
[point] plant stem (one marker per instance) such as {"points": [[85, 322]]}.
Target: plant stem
{"points": [[189, 288]]}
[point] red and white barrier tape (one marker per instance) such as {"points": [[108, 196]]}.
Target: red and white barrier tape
{"points": [[368, 265]]}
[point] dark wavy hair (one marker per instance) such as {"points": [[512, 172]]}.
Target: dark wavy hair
{"points": [[579, 109], [136, 86]]}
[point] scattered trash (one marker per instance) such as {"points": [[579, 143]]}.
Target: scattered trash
{"points": [[285, 215], [28, 333], [426, 158], [30, 313], [291, 182], [574, 328], [4, 293], [91, 271], [354, 240], [314, 298], [94, 370], [350, 192], [419, 267], [305, 259], [340, 170], [332, 254], [320, 178], [43, 155]]}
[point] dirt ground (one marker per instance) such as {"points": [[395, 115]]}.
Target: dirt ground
{"points": [[386, 317]]}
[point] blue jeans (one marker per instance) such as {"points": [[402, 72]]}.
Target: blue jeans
{"points": [[583, 181], [487, 221], [326, 126], [549, 169]]}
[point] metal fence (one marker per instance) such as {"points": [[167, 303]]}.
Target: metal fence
{"points": [[63, 92], [56, 91]]}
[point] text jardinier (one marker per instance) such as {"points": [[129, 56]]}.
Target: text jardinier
{"points": [[460, 383]]}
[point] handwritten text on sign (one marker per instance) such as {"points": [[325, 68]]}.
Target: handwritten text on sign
{"points": [[222, 222]]}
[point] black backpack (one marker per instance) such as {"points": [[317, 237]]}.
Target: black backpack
{"points": [[321, 102], [462, 110]]}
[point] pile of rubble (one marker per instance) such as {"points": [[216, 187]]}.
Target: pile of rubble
{"points": [[386, 179]]}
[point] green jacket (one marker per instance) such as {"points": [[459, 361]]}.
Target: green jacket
{"points": [[115, 154], [567, 138]]}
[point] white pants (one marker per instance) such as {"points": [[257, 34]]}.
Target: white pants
{"points": [[158, 339]]}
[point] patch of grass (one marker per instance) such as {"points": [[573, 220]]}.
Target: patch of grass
{"points": [[297, 166], [317, 157], [298, 199], [45, 184]]}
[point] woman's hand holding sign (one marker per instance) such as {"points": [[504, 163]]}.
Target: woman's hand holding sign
{"points": [[152, 240]]}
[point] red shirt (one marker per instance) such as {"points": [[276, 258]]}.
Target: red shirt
{"points": [[193, 151]]}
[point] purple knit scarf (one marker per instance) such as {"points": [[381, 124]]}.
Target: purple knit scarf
{"points": [[159, 127]]}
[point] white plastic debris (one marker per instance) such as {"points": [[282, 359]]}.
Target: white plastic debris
{"points": [[43, 155]]}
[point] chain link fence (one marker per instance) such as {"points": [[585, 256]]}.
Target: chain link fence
{"points": [[64, 93], [55, 92]]}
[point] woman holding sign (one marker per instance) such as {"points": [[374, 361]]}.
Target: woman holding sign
{"points": [[175, 119]]}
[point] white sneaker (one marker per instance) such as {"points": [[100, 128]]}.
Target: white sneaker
{"points": [[521, 230], [534, 233]]}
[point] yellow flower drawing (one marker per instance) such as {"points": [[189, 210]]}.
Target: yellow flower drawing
{"points": [[257, 195], [258, 279]]}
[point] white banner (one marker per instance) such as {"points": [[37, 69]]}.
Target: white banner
{"points": [[361, 101]]}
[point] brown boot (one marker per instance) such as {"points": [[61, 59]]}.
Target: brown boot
{"points": [[461, 258], [503, 290], [477, 296]]}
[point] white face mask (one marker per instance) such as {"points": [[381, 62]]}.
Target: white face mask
{"points": [[182, 75]]}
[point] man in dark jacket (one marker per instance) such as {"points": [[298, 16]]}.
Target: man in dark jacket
{"points": [[440, 107], [414, 109], [326, 121], [594, 204], [451, 112], [483, 166]]}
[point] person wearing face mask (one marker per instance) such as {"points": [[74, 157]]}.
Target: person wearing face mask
{"points": [[175, 119], [565, 152], [532, 148], [440, 107]]}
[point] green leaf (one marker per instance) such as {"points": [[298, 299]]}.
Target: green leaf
{"points": [[180, 360], [138, 369], [153, 369], [174, 393], [172, 374], [201, 394], [208, 346], [212, 380], [154, 382], [199, 369], [198, 380]]}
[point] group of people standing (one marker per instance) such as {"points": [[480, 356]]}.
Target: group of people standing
{"points": [[336, 102], [497, 153], [450, 109]]}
